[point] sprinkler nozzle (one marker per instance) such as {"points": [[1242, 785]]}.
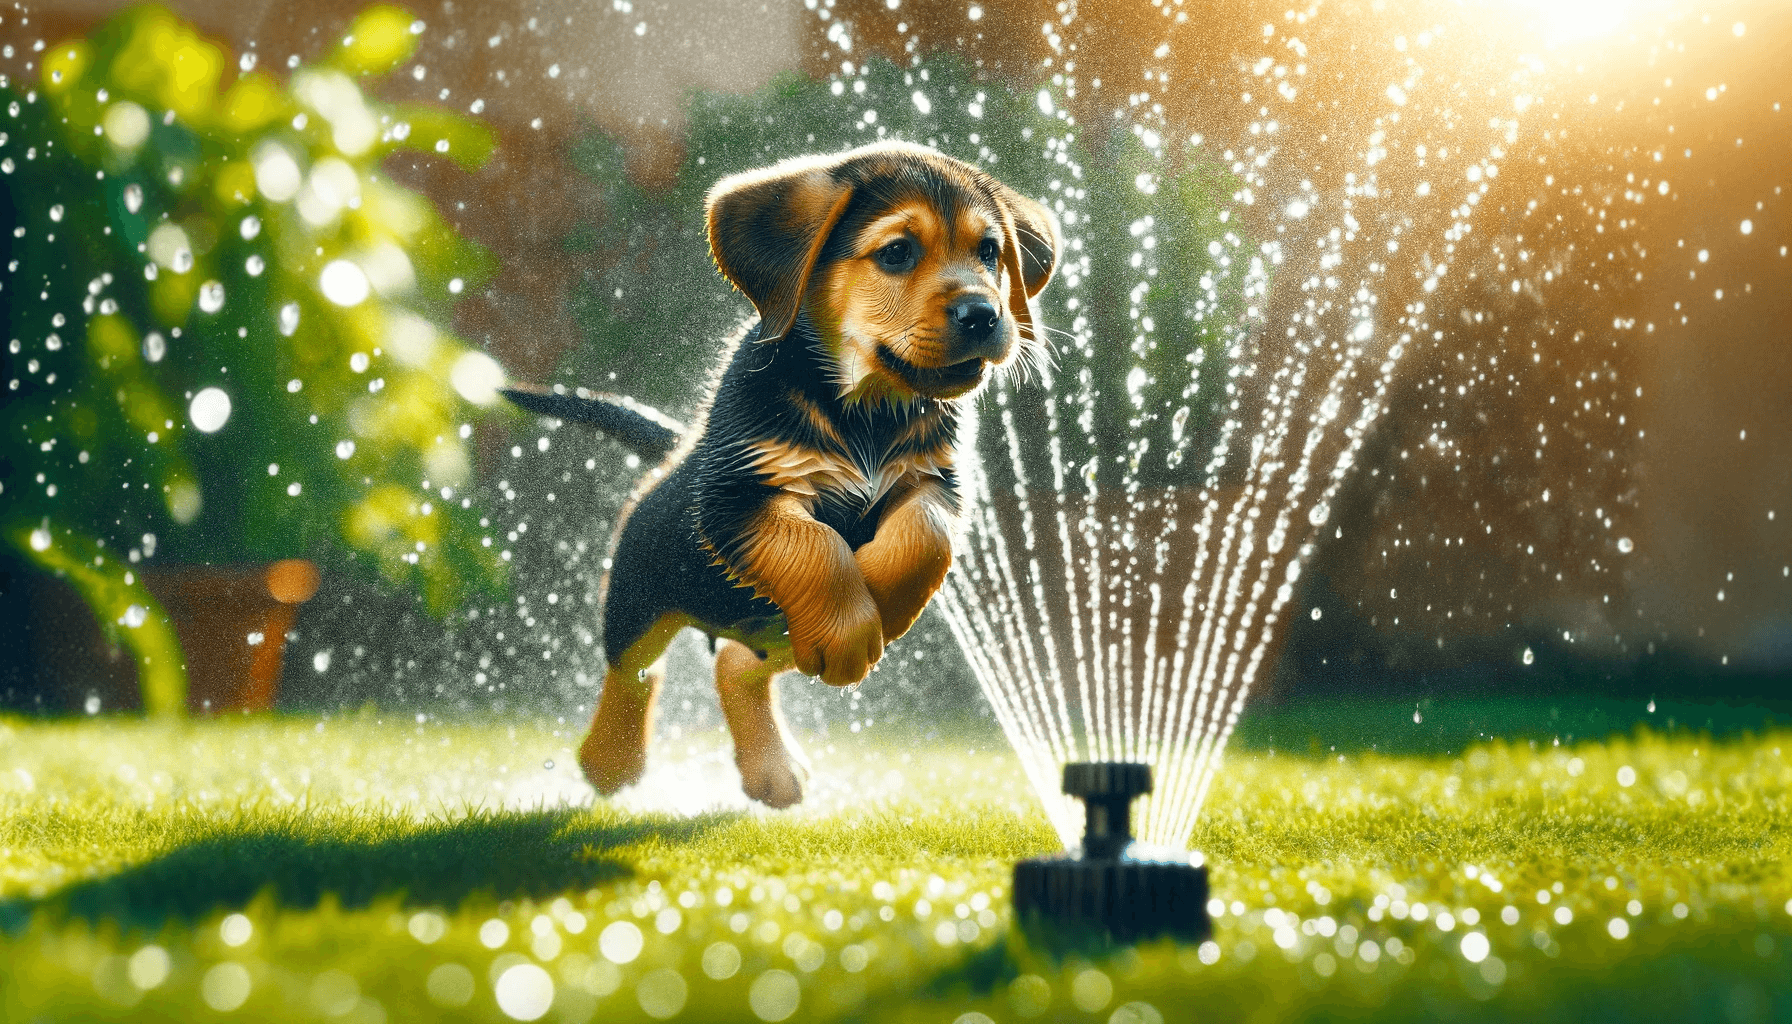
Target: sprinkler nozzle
{"points": [[1114, 884]]}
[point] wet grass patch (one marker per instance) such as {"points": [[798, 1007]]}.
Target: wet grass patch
{"points": [[365, 870]]}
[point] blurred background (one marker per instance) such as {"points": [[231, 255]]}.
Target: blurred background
{"points": [[1581, 490]]}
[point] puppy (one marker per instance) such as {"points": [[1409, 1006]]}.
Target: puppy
{"points": [[807, 518]]}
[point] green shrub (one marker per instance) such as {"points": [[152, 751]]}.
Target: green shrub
{"points": [[226, 326]]}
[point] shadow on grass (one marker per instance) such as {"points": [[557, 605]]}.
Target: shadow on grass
{"points": [[299, 860]]}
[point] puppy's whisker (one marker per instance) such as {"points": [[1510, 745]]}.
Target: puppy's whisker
{"points": [[1051, 342], [1030, 334], [1023, 366], [1033, 252]]}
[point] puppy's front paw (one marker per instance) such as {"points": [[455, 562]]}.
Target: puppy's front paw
{"points": [[611, 766], [774, 777], [842, 650], [614, 753]]}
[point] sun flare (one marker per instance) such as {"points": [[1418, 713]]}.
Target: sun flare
{"points": [[1564, 22]]}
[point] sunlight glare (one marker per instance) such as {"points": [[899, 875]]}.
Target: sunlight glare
{"points": [[1574, 22]]}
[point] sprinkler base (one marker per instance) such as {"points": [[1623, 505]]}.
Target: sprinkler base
{"points": [[1142, 894], [1114, 887]]}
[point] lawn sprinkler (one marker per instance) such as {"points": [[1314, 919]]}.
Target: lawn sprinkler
{"points": [[1114, 884]]}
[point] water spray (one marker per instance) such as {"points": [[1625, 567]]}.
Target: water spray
{"points": [[1114, 884]]}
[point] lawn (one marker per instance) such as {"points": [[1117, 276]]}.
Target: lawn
{"points": [[354, 869]]}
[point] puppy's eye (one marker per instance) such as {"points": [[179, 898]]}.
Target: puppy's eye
{"points": [[989, 252], [897, 256]]}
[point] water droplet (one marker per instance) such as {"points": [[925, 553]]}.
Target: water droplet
{"points": [[1625, 546], [250, 227], [92, 704], [344, 283], [774, 995], [620, 942], [493, 933], [662, 993], [722, 960], [133, 197], [56, 213], [254, 265], [548, 764], [236, 929], [184, 502], [126, 124], [168, 246], [525, 991], [345, 448], [276, 172], [289, 319], [1528, 657], [226, 986], [209, 410], [1316, 614], [1475, 947], [211, 296], [477, 377], [1319, 514]]}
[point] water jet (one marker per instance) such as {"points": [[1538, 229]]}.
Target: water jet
{"points": [[1113, 884]]}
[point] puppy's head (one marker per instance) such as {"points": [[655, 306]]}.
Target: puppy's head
{"points": [[916, 270]]}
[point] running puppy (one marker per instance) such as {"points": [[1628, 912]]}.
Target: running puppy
{"points": [[807, 518]]}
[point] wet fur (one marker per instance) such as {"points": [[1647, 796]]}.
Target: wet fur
{"points": [[807, 518]]}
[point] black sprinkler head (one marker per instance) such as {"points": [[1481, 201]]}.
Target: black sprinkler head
{"points": [[1114, 885]]}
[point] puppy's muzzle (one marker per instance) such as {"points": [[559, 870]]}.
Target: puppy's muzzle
{"points": [[977, 331]]}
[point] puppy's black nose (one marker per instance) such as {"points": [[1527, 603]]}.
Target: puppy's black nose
{"points": [[978, 325]]}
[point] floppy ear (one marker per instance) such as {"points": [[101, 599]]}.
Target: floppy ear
{"points": [[766, 228], [1031, 252]]}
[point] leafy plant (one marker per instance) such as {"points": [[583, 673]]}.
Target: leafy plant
{"points": [[225, 325]]}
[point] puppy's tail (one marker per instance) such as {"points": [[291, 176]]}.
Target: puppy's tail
{"points": [[646, 431]]}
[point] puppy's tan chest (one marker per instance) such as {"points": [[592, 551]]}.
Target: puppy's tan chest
{"points": [[813, 473]]}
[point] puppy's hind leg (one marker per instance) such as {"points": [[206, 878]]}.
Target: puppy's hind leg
{"points": [[773, 769], [614, 753]]}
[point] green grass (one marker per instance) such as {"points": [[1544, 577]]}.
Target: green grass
{"points": [[359, 870]]}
